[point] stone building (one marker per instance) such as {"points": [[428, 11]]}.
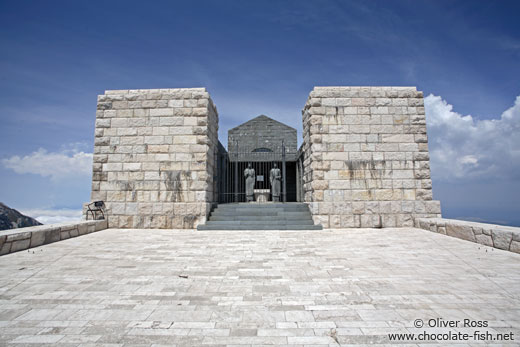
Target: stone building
{"points": [[364, 160], [261, 142]]}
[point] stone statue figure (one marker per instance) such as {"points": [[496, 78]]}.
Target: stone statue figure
{"points": [[249, 174], [275, 177]]}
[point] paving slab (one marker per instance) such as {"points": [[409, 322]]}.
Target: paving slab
{"points": [[122, 287]]}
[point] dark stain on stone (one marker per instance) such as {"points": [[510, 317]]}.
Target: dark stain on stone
{"points": [[173, 181], [375, 168], [189, 221], [126, 185]]}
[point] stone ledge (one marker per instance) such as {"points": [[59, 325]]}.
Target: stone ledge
{"points": [[497, 236], [364, 92], [24, 238], [156, 90]]}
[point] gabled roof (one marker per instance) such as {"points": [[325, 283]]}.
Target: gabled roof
{"points": [[262, 118]]}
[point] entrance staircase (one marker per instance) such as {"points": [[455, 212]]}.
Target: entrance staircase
{"points": [[258, 216]]}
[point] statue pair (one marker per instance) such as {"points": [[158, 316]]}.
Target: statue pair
{"points": [[275, 178]]}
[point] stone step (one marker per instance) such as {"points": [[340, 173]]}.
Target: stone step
{"points": [[259, 227], [262, 206], [260, 222], [257, 212], [256, 205], [253, 218], [241, 209], [261, 213]]}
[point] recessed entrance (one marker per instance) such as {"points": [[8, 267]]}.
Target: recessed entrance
{"points": [[231, 181], [264, 143]]}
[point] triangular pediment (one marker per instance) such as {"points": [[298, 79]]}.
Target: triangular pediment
{"points": [[261, 119]]}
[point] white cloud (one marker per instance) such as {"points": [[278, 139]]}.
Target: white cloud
{"points": [[49, 216], [464, 147], [68, 163]]}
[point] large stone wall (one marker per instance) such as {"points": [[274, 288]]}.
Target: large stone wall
{"points": [[154, 157], [366, 158]]}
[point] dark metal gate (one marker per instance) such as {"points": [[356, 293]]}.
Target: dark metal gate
{"points": [[231, 165]]}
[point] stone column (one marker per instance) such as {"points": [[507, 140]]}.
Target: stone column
{"points": [[366, 158], [154, 157]]}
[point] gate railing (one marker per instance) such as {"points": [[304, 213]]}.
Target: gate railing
{"points": [[231, 166]]}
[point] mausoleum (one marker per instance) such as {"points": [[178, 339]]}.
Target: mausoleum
{"points": [[363, 162], [264, 143]]}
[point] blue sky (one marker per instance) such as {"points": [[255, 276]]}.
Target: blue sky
{"points": [[260, 57]]}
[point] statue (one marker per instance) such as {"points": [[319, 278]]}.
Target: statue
{"points": [[249, 174], [275, 177]]}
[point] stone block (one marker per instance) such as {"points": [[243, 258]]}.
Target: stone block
{"points": [[52, 235], [515, 246], [349, 221], [22, 235], [389, 220], [460, 231], [82, 229], [20, 245], [433, 207], [6, 248], [335, 221], [371, 221], [404, 220], [131, 166], [37, 239], [372, 207], [157, 112], [501, 238], [103, 123], [484, 240]]}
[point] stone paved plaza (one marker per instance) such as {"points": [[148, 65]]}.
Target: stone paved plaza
{"points": [[165, 288]]}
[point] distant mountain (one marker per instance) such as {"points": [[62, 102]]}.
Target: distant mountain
{"points": [[11, 219]]}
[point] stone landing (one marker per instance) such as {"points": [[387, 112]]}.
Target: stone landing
{"points": [[304, 288]]}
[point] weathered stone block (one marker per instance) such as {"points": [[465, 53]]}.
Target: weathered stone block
{"points": [[460, 231], [515, 247], [389, 220], [501, 238], [404, 220], [22, 235], [350, 221], [371, 221], [6, 248], [83, 228], [484, 240], [20, 245], [37, 239], [52, 235]]}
